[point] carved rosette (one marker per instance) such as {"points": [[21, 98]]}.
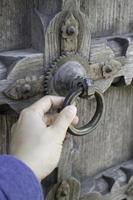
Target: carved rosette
{"points": [[25, 88]]}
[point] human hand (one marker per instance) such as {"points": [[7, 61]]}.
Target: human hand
{"points": [[37, 137]]}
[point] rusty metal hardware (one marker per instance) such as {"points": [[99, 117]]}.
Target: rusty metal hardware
{"points": [[84, 90], [69, 79]]}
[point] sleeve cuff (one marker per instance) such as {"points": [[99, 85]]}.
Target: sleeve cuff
{"points": [[17, 180]]}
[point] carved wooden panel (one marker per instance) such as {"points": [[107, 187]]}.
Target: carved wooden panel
{"points": [[31, 27], [115, 183]]}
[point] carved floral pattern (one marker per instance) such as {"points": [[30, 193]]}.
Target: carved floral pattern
{"points": [[110, 68], [25, 88]]}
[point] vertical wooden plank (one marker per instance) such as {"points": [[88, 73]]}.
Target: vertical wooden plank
{"points": [[3, 134], [6, 122], [10, 120], [46, 11], [15, 22], [109, 17]]}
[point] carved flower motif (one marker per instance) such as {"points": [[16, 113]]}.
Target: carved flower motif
{"points": [[25, 88], [110, 68]]}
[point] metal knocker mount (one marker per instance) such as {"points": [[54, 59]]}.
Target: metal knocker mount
{"points": [[68, 78], [66, 74]]}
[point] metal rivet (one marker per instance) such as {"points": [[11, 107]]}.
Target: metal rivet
{"points": [[108, 69], [71, 30], [26, 88]]}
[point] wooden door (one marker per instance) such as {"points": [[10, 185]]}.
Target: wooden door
{"points": [[99, 165]]}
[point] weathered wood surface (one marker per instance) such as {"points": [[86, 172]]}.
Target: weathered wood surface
{"points": [[114, 183], [109, 145], [107, 17], [14, 24], [6, 122], [112, 142], [22, 71]]}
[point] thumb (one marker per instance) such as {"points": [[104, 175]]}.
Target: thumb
{"points": [[64, 120]]}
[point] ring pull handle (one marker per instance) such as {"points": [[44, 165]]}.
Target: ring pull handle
{"points": [[93, 123]]}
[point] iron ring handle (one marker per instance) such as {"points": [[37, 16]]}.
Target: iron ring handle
{"points": [[93, 123]]}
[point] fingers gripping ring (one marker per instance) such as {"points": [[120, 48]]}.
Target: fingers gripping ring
{"points": [[93, 123]]}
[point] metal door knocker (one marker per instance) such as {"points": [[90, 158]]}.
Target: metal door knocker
{"points": [[68, 41], [68, 78]]}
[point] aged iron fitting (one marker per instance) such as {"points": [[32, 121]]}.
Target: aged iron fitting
{"points": [[93, 123], [70, 80]]}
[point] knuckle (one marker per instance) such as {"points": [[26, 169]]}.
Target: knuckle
{"points": [[67, 114], [47, 97], [25, 112]]}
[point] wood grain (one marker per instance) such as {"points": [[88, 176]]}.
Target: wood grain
{"points": [[109, 145], [109, 17], [6, 122], [15, 24], [112, 142], [18, 29]]}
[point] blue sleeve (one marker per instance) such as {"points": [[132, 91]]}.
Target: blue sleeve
{"points": [[17, 181]]}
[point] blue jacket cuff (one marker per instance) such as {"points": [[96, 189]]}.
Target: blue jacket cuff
{"points": [[17, 181]]}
